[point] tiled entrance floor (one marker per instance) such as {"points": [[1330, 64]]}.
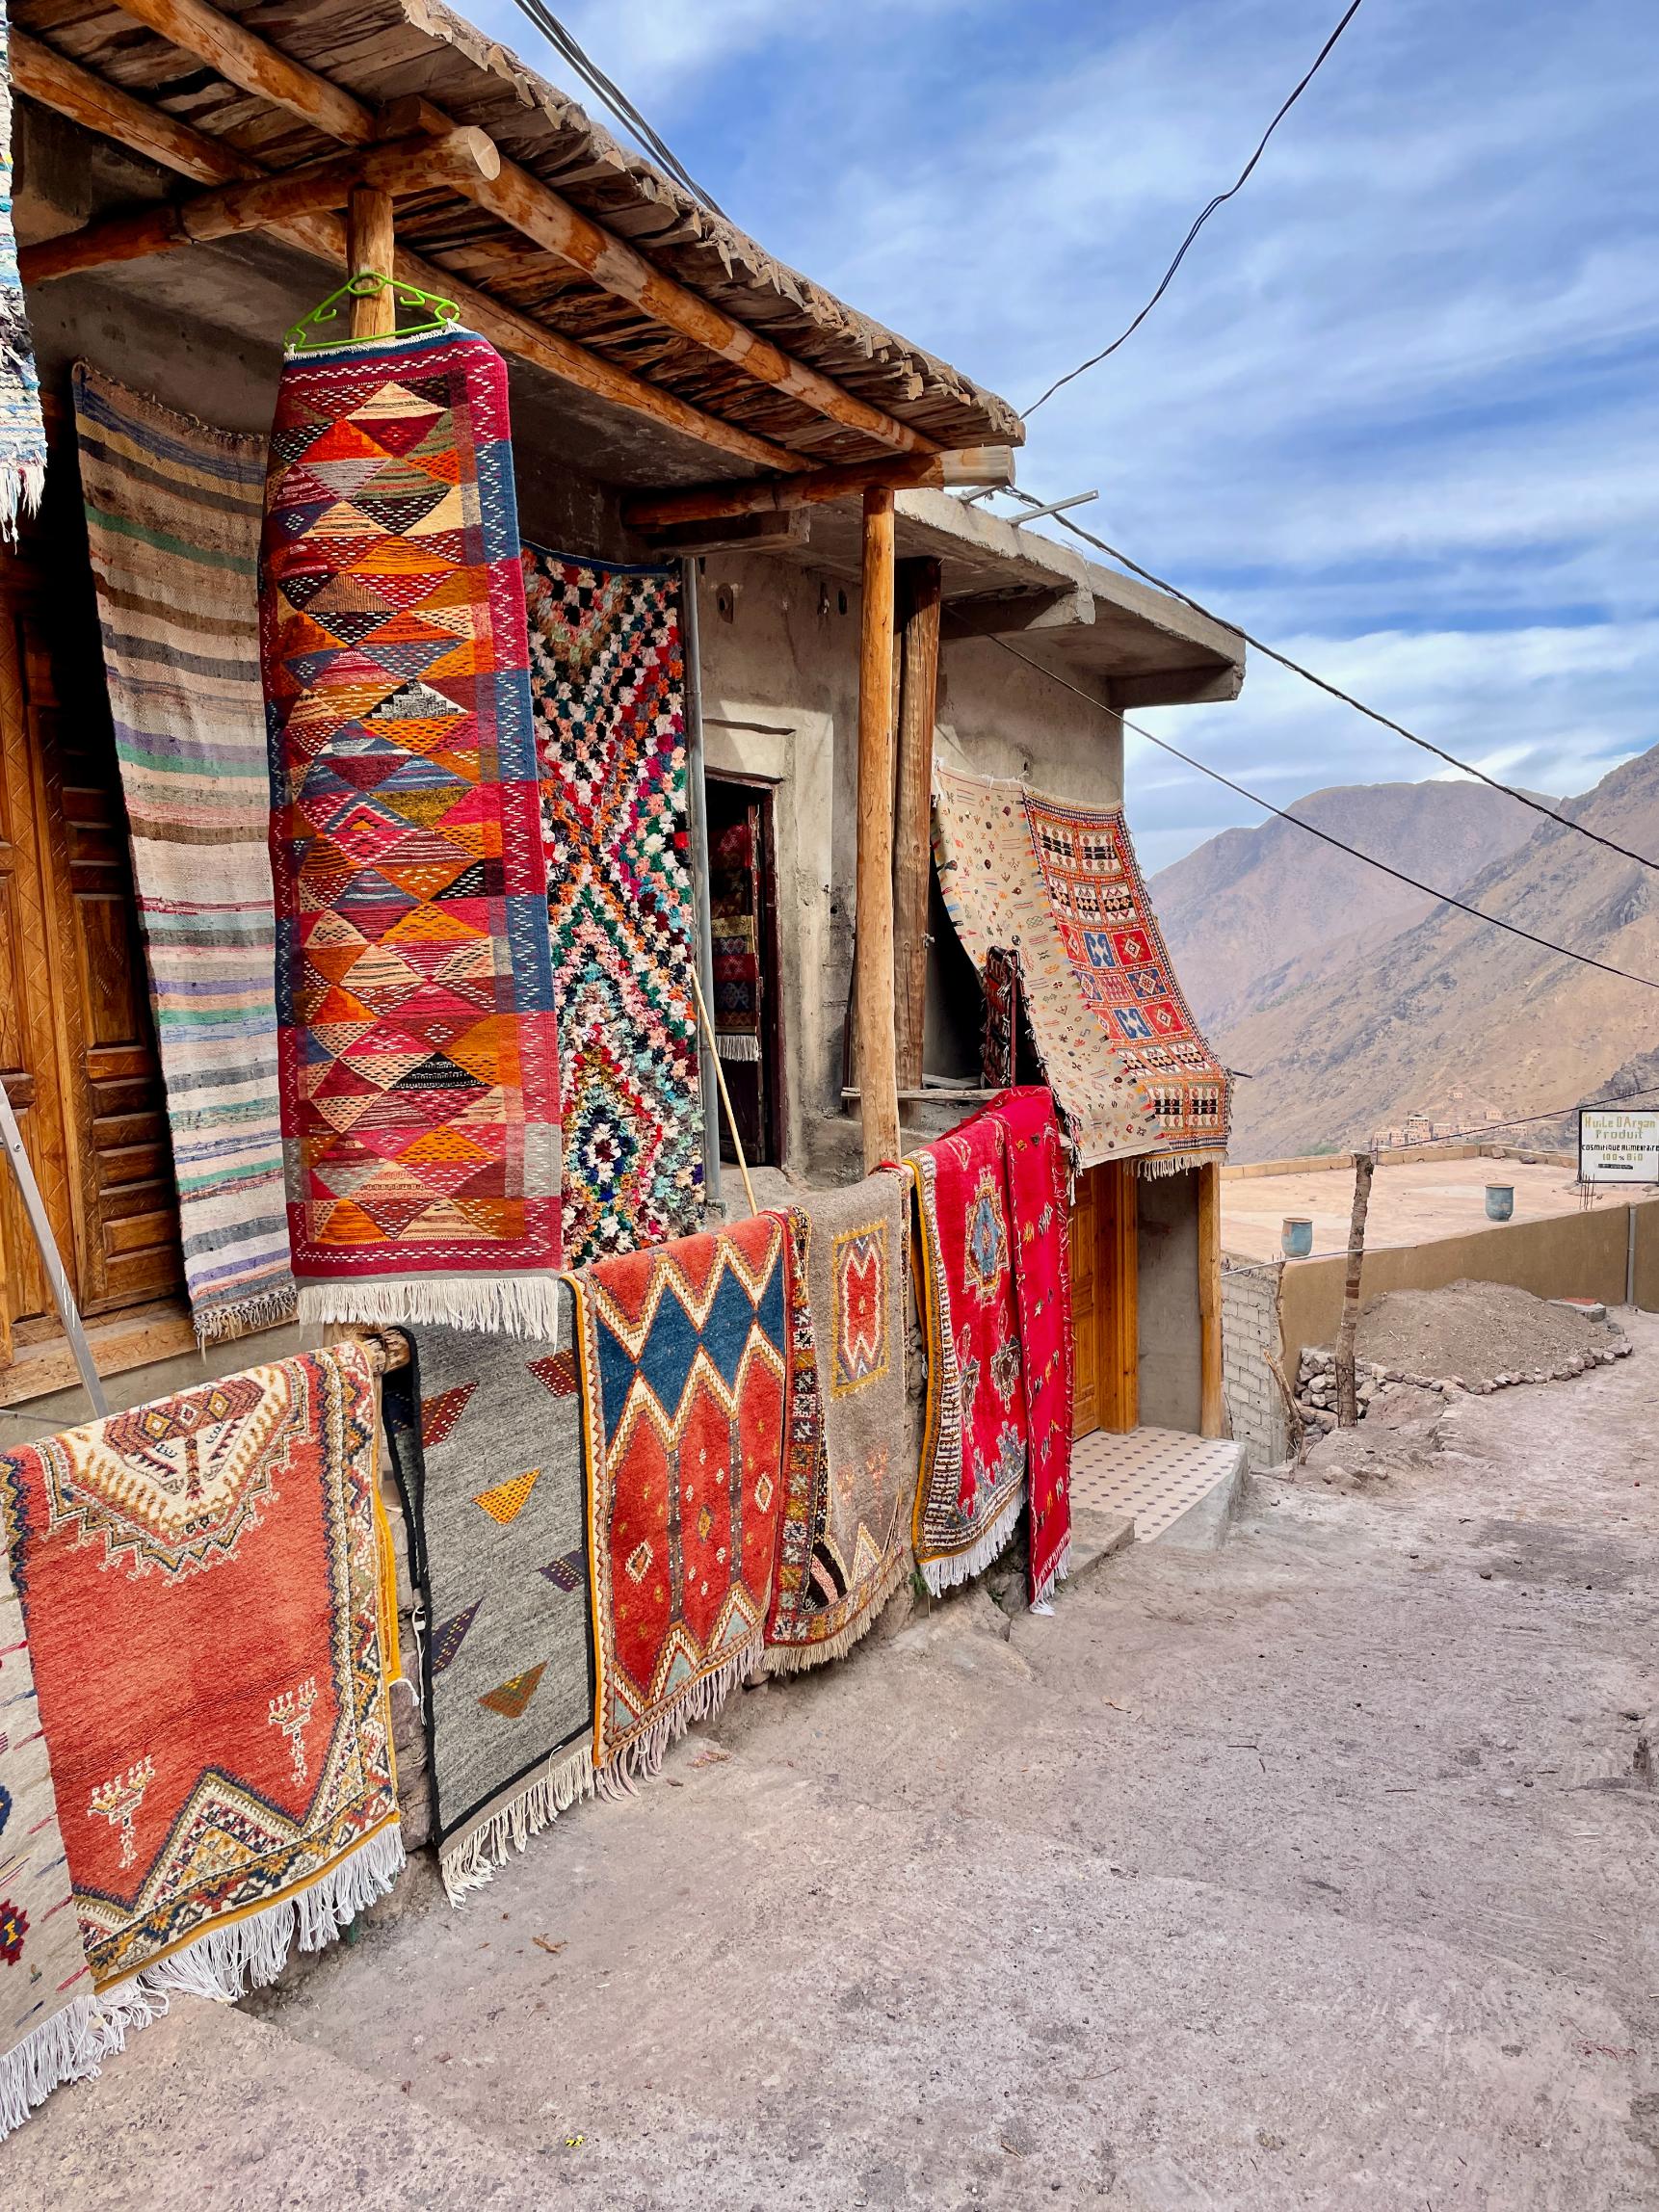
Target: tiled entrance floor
{"points": [[1155, 1474]]}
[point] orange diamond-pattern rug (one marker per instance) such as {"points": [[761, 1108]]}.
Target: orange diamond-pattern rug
{"points": [[417, 1049]]}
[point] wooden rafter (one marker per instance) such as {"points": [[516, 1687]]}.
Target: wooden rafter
{"points": [[720, 501], [532, 208], [92, 101]]}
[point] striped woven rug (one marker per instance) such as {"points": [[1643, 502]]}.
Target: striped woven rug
{"points": [[172, 515]]}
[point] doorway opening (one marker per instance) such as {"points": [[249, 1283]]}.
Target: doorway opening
{"points": [[743, 901]]}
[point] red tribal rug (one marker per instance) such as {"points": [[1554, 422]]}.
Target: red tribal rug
{"points": [[418, 1055], [1040, 1220], [607, 670], [973, 1459], [206, 1585], [849, 1481], [685, 1373]]}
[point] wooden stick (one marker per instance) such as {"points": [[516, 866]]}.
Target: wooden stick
{"points": [[371, 250], [1347, 1396], [102, 107], [726, 1095], [873, 1006], [1211, 1399], [63, 1297], [530, 207], [918, 588], [719, 502]]}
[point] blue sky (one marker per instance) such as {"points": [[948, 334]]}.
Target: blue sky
{"points": [[1399, 412]]}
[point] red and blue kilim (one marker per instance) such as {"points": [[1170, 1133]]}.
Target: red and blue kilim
{"points": [[607, 672], [418, 1051]]}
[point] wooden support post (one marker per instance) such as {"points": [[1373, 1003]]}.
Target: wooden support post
{"points": [[918, 589], [873, 1003], [371, 248], [1347, 1396], [1212, 1405], [1118, 1296]]}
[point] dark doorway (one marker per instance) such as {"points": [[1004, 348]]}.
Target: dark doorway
{"points": [[743, 897]]}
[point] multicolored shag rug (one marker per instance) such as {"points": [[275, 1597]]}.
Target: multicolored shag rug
{"points": [[487, 1437], [607, 672], [848, 1491], [995, 893], [207, 1587], [419, 1053], [52, 2028], [22, 432], [973, 1460], [1111, 936], [734, 907], [172, 523], [1041, 1224], [685, 1376]]}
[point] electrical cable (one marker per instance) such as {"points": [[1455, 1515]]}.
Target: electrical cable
{"points": [[1220, 201], [1445, 898], [1335, 691], [570, 50]]}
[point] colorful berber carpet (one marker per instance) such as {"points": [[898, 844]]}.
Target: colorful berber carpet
{"points": [[973, 1461], [22, 432], [52, 2028], [172, 523], [607, 672], [207, 1587], [1039, 1220], [1000, 1041], [734, 904], [419, 1053], [848, 1492], [685, 1379], [995, 893], [486, 1436]]}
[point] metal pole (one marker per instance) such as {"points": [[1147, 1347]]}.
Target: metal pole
{"points": [[1630, 1254], [696, 825], [68, 1313]]}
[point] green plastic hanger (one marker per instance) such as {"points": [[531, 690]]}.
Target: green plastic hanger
{"points": [[308, 332]]}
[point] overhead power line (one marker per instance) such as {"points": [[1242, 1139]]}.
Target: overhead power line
{"points": [[1220, 201], [1335, 691], [1445, 898], [570, 50]]}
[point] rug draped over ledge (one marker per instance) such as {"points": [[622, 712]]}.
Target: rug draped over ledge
{"points": [[972, 1481], [172, 524], [685, 1376], [848, 1488], [486, 1436], [223, 1767], [419, 1055], [22, 432], [607, 672]]}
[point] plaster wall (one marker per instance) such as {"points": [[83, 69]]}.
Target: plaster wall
{"points": [[1168, 1255]]}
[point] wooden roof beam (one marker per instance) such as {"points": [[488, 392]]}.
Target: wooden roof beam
{"points": [[528, 206], [650, 510], [96, 105], [258, 203]]}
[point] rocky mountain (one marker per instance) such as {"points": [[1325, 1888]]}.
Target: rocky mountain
{"points": [[1446, 1016], [1253, 915]]}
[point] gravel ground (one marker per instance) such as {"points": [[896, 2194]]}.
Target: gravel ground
{"points": [[1476, 1330]]}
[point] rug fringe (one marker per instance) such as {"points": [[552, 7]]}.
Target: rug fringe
{"points": [[1057, 1573], [468, 1865], [22, 488], [942, 1574], [265, 1309], [66, 2047], [495, 1305], [699, 1700], [735, 1047], [1177, 1163], [786, 1659], [226, 1962]]}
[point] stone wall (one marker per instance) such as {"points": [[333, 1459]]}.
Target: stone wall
{"points": [[1250, 1327]]}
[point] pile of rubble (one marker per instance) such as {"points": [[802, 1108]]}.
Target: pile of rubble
{"points": [[1316, 1379]]}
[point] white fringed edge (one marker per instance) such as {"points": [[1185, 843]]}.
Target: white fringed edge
{"points": [[66, 2047], [226, 1962], [268, 1309], [470, 1865], [1176, 1163], [22, 488], [942, 1574], [645, 1754], [796, 1658], [1057, 1573], [737, 1047], [496, 1304]]}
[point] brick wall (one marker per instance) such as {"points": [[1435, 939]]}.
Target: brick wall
{"points": [[1251, 1326]]}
